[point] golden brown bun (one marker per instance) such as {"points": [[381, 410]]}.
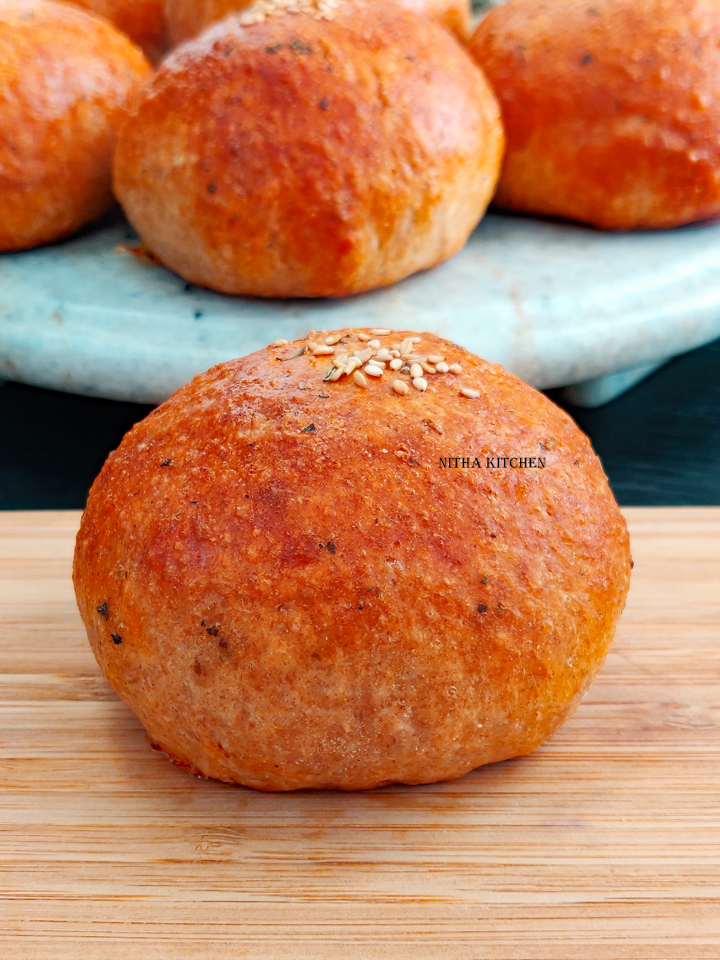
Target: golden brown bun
{"points": [[305, 157], [142, 20], [611, 108], [187, 18], [65, 78], [281, 580]]}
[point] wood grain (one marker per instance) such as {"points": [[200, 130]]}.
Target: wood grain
{"points": [[604, 845]]}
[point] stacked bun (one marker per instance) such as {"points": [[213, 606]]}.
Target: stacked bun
{"points": [[65, 80], [142, 20], [611, 108], [319, 153]]}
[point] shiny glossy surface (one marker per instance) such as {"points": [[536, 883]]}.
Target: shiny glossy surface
{"points": [[281, 579], [305, 157]]}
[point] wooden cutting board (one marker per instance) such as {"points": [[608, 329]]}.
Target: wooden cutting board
{"points": [[604, 844]]}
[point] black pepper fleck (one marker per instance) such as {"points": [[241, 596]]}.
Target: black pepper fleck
{"points": [[297, 46], [222, 643], [166, 463], [116, 638], [212, 188], [310, 428], [482, 608], [323, 104], [103, 610], [331, 547]]}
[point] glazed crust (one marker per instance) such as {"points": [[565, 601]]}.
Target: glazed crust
{"points": [[281, 580], [142, 20], [187, 18], [65, 79], [610, 108], [301, 157]]}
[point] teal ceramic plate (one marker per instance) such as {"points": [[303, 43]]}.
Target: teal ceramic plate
{"points": [[555, 303]]}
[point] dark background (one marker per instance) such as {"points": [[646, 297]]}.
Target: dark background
{"points": [[659, 443]]}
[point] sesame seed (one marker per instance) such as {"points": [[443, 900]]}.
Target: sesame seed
{"points": [[383, 354], [416, 371], [436, 426], [395, 346], [442, 367], [414, 357], [380, 332], [430, 359], [420, 383], [406, 348], [363, 355], [470, 393], [323, 351], [377, 363], [400, 387], [415, 339], [373, 371], [261, 10], [375, 344], [455, 368], [395, 364], [364, 337], [312, 345], [352, 364], [336, 374], [426, 367], [281, 343], [359, 379], [340, 359], [335, 338]]}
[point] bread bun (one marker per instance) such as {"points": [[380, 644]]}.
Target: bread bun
{"points": [[142, 20], [65, 79], [293, 583], [188, 18], [611, 108], [301, 157]]}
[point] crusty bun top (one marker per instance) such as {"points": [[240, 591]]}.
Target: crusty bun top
{"points": [[187, 18], [303, 156], [297, 580]]}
